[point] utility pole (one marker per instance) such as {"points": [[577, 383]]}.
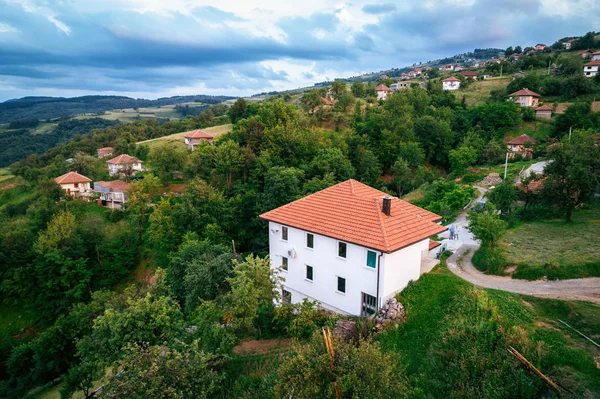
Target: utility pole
{"points": [[506, 165], [500, 68], [570, 130]]}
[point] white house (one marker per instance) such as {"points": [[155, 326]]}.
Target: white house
{"points": [[525, 98], [382, 92], [195, 137], [74, 184], [591, 68], [451, 83], [124, 164], [113, 194], [349, 247], [596, 55], [400, 86]]}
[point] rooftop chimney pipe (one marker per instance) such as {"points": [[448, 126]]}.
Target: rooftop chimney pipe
{"points": [[387, 206]]}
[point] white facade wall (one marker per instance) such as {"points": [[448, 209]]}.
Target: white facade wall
{"points": [[451, 85], [590, 71], [71, 189], [115, 169], [382, 95], [399, 268]]}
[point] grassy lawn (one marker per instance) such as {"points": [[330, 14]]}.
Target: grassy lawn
{"points": [[478, 92], [540, 129], [554, 248], [566, 358], [216, 131]]}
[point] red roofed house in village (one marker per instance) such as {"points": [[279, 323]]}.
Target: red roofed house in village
{"points": [[540, 46], [584, 53], [349, 246], [74, 184], [382, 92], [470, 74], [451, 83], [124, 164], [105, 152], [544, 112], [591, 68], [596, 55], [525, 98], [112, 193], [195, 137], [521, 146]]}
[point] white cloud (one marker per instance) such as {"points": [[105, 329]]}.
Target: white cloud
{"points": [[6, 28]]}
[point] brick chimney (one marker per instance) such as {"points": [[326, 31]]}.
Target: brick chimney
{"points": [[387, 205]]}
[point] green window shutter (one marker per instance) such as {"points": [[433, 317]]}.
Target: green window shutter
{"points": [[371, 259]]}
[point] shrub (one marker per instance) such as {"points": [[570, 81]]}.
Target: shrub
{"points": [[489, 260]]}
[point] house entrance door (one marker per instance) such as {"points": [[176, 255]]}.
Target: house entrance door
{"points": [[369, 305]]}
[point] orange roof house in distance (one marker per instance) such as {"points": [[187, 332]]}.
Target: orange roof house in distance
{"points": [[591, 68], [382, 92], [194, 137], [112, 193], [451, 83], [349, 246], [521, 146], [525, 98], [124, 164], [74, 184], [105, 152]]}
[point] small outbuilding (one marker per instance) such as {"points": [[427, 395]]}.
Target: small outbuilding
{"points": [[105, 152], [544, 112]]}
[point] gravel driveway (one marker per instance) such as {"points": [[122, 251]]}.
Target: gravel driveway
{"points": [[582, 289]]}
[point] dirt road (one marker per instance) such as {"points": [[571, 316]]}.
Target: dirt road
{"points": [[582, 289]]}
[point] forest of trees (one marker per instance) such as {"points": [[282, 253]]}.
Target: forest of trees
{"points": [[70, 260], [42, 108]]}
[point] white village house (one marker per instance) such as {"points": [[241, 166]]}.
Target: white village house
{"points": [[113, 194], [349, 247], [591, 68], [124, 164], [195, 137], [75, 184], [382, 92], [451, 83]]}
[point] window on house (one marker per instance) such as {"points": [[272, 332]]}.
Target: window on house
{"points": [[309, 273], [341, 284], [284, 233], [76, 185], [284, 263], [341, 249], [371, 259], [310, 240], [286, 297]]}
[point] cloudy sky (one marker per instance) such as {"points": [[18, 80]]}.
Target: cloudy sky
{"points": [[156, 48]]}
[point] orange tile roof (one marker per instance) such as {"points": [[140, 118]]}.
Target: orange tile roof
{"points": [[524, 92], [451, 79], [434, 244], [522, 139], [545, 107], [326, 101], [118, 185], [197, 134], [593, 63], [72, 177], [382, 88], [123, 159], [351, 211]]}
